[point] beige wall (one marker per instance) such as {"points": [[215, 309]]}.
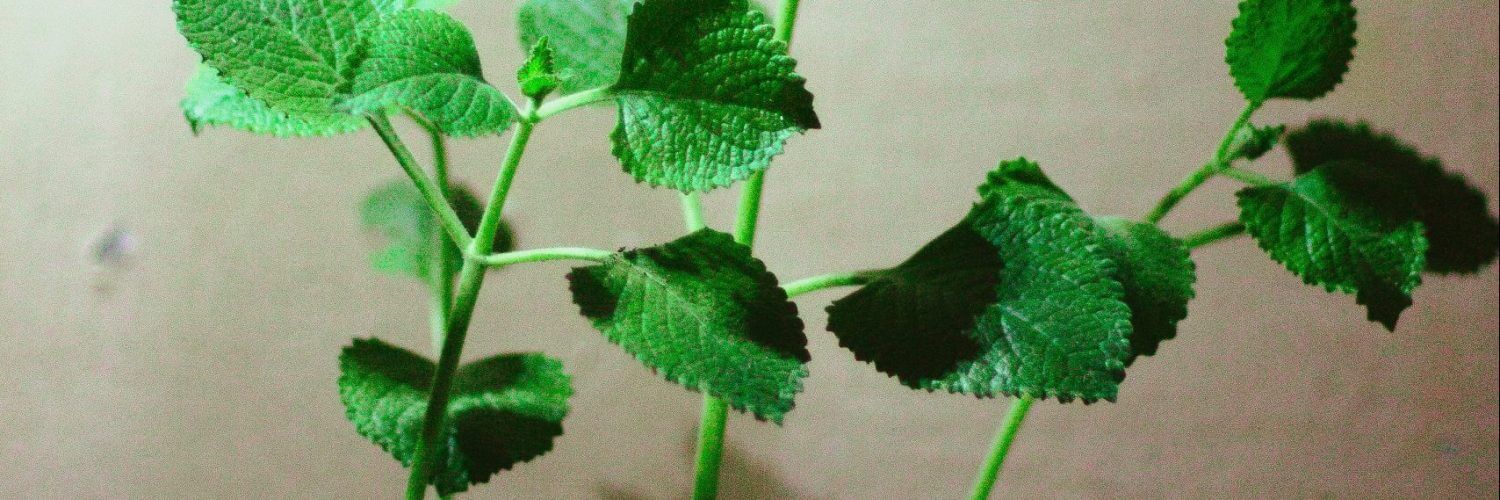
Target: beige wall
{"points": [[205, 366]]}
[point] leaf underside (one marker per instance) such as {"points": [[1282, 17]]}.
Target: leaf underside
{"points": [[705, 314], [706, 95], [504, 410], [1461, 232], [1297, 49], [212, 102], [1342, 228]]}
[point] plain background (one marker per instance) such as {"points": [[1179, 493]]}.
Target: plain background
{"points": [[203, 365]]}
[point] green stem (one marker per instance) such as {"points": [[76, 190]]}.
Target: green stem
{"points": [[1221, 160], [444, 266], [1003, 439], [715, 411], [1252, 178], [1213, 235], [430, 190], [692, 212], [470, 280], [815, 283], [573, 100], [544, 255], [711, 424]]}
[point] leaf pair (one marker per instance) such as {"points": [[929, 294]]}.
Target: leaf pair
{"points": [[1028, 295], [313, 67], [504, 410], [706, 95], [1366, 215]]}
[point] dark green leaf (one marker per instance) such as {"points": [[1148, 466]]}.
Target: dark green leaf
{"points": [[1462, 234], [706, 95], [1158, 277], [296, 56], [1053, 322], [538, 77], [398, 211], [425, 61], [1298, 49], [588, 36], [1343, 228], [212, 102], [1253, 142], [504, 410], [706, 315]]}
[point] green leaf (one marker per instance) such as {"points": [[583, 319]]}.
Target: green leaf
{"points": [[212, 102], [398, 211], [1158, 277], [705, 314], [1341, 227], [425, 61], [538, 76], [1020, 298], [1462, 234], [1253, 142], [588, 36], [429, 4], [296, 56], [913, 322], [1297, 49], [504, 410], [1020, 176], [706, 95]]}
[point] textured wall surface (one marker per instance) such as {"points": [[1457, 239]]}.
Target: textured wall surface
{"points": [[203, 365]]}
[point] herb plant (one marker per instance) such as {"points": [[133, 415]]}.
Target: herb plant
{"points": [[1029, 296]]}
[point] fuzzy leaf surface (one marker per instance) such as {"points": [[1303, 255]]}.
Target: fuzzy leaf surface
{"points": [[1053, 321], [1158, 277], [587, 35], [706, 96], [504, 410], [1461, 232], [296, 56], [1296, 49], [705, 314], [212, 102], [426, 61], [398, 212], [1344, 229]]}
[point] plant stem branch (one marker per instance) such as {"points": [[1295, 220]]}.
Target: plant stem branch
{"points": [[444, 266], [692, 212], [431, 191], [544, 255], [1251, 178], [711, 422], [1213, 235], [834, 280], [470, 280], [1221, 160], [573, 100], [1004, 436]]}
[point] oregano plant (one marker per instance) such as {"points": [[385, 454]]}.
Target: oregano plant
{"points": [[1029, 296]]}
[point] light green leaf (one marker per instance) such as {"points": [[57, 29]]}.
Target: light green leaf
{"points": [[1253, 142], [212, 102], [706, 315], [1158, 277], [1341, 227], [296, 56], [397, 211], [588, 36], [504, 410], [1462, 233], [706, 95], [425, 61], [538, 76], [1053, 324], [1297, 49]]}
